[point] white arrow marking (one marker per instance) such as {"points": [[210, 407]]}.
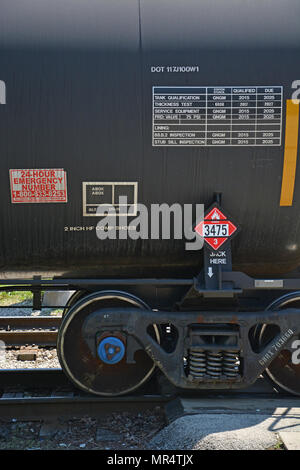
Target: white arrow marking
{"points": [[210, 272]]}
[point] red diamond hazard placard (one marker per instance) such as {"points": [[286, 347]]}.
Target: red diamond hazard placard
{"points": [[216, 228]]}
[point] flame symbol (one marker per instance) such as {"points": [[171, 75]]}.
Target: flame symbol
{"points": [[215, 216]]}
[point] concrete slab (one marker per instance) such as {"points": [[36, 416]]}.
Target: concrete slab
{"points": [[291, 440], [223, 432], [228, 423]]}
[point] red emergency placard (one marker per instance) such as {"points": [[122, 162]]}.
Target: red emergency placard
{"points": [[38, 185], [216, 229]]}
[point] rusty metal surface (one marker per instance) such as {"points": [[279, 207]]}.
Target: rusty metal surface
{"points": [[19, 338], [30, 322], [18, 331]]}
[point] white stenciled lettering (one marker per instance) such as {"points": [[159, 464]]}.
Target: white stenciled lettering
{"points": [[216, 116]]}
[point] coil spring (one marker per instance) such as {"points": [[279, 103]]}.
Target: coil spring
{"points": [[214, 364], [197, 363], [231, 363]]}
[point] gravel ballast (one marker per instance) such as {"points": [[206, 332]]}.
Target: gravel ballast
{"points": [[118, 431], [46, 358]]}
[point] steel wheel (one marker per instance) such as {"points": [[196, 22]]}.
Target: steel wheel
{"points": [[282, 372], [72, 300], [90, 373]]}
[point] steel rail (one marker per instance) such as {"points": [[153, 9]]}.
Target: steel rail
{"points": [[18, 331]]}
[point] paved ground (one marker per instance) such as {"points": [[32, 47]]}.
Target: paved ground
{"points": [[231, 424], [291, 440]]}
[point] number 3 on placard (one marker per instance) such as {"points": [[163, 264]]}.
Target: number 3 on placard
{"points": [[215, 241]]}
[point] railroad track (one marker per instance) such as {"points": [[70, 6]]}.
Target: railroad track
{"points": [[47, 392], [28, 393], [19, 331]]}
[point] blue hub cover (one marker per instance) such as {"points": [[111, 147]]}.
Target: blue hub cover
{"points": [[111, 350]]}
